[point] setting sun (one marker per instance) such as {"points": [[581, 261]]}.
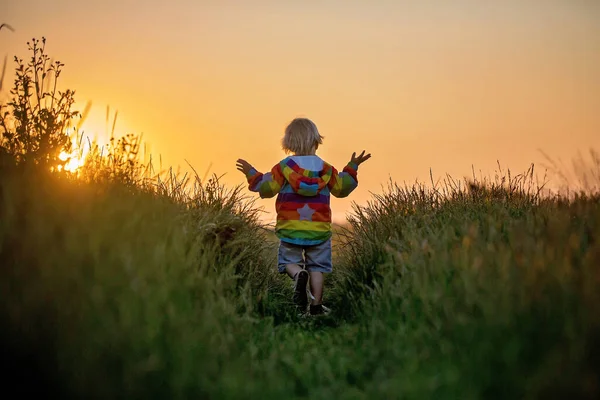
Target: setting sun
{"points": [[73, 162]]}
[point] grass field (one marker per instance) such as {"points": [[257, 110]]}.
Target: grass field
{"points": [[118, 282], [121, 290]]}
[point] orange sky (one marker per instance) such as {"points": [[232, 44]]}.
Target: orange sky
{"points": [[440, 84]]}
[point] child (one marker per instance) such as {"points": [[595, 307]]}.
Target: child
{"points": [[304, 182]]}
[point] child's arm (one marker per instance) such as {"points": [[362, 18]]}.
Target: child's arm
{"points": [[267, 185], [343, 183]]}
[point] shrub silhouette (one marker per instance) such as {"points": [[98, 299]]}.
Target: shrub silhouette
{"points": [[34, 124]]}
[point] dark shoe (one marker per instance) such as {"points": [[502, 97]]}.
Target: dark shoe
{"points": [[300, 298], [316, 310], [319, 309]]}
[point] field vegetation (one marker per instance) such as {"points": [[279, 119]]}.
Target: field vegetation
{"points": [[120, 281]]}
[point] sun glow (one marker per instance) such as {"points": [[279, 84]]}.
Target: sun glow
{"points": [[72, 161], [80, 148]]}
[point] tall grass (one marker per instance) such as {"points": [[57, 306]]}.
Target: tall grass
{"points": [[169, 290], [484, 289], [130, 292], [581, 176]]}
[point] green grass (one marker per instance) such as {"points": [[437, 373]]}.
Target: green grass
{"points": [[479, 293], [113, 290]]}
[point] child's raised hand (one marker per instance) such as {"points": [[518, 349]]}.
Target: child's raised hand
{"points": [[243, 166], [361, 158]]}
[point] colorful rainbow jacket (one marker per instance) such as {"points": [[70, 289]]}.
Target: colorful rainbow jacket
{"points": [[303, 185]]}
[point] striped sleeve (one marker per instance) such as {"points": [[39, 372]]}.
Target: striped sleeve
{"points": [[343, 183], [267, 185]]}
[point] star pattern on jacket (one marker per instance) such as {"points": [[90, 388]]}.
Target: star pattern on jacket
{"points": [[306, 213]]}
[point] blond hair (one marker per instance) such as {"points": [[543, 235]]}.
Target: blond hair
{"points": [[301, 137]]}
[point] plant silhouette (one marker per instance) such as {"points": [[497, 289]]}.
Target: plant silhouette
{"points": [[34, 124]]}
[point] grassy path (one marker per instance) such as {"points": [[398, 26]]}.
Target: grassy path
{"points": [[119, 292]]}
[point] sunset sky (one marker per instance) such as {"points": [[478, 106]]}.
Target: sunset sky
{"points": [[428, 84]]}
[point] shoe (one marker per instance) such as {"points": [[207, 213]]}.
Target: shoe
{"points": [[300, 298], [318, 309]]}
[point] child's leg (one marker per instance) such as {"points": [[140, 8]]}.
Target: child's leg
{"points": [[316, 287], [300, 277], [289, 259], [318, 262], [292, 270]]}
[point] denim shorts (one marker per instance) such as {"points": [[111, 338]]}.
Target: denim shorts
{"points": [[315, 258]]}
